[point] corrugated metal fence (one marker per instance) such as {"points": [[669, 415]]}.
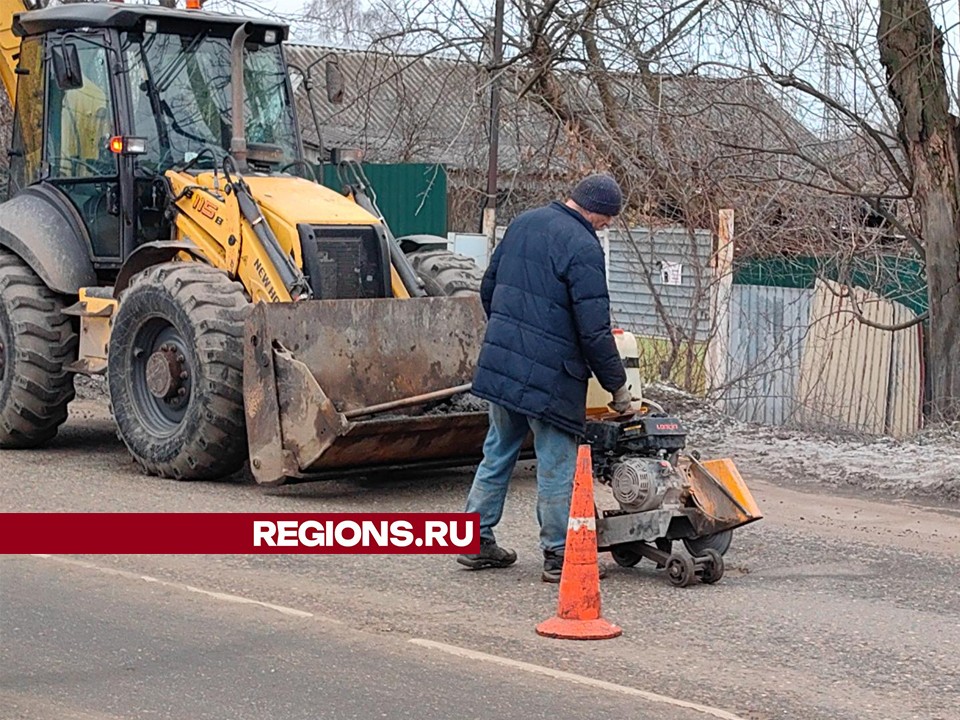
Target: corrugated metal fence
{"points": [[854, 376], [801, 357], [411, 196], [767, 330]]}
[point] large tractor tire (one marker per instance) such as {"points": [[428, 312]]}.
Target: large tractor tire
{"points": [[175, 371], [36, 341], [445, 273]]}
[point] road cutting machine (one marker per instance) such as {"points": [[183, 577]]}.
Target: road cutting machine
{"points": [[651, 491]]}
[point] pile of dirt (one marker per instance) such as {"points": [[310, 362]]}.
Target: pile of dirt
{"points": [[462, 403], [705, 423], [926, 465]]}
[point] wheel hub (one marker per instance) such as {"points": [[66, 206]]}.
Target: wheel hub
{"points": [[165, 373]]}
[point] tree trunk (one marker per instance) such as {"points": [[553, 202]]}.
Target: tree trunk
{"points": [[911, 50]]}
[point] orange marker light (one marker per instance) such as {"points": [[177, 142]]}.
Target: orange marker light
{"points": [[116, 144], [193, 4]]}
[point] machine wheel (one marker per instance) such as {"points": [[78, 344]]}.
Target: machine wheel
{"points": [[445, 273], [718, 541], [175, 371], [36, 341], [625, 557], [681, 570], [713, 568]]}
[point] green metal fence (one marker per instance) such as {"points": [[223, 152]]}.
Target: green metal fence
{"points": [[892, 277], [411, 196]]}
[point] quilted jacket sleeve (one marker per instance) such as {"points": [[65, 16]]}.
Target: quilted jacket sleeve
{"points": [[587, 285], [490, 280]]}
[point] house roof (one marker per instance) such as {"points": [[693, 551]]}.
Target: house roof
{"points": [[430, 109], [395, 108]]}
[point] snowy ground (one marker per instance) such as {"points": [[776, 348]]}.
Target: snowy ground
{"points": [[927, 465]]}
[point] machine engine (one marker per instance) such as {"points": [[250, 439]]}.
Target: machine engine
{"points": [[637, 458], [640, 484], [661, 498]]}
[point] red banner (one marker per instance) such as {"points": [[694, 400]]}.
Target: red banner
{"points": [[238, 533]]}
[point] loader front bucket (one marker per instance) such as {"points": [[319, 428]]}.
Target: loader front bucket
{"points": [[315, 373]]}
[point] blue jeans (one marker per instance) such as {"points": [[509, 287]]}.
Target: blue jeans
{"points": [[556, 452]]}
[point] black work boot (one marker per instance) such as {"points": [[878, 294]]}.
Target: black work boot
{"points": [[491, 555], [553, 567]]}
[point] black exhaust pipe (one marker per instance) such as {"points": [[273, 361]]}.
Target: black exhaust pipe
{"points": [[238, 138]]}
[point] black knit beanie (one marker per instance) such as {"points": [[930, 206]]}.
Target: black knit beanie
{"points": [[599, 194]]}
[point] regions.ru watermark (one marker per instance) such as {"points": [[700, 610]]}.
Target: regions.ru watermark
{"points": [[367, 534]]}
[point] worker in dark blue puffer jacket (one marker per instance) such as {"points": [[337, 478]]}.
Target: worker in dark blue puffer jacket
{"points": [[545, 295]]}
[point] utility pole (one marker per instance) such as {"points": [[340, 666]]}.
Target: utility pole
{"points": [[490, 210]]}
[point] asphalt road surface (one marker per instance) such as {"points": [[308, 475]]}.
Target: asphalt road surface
{"points": [[833, 607]]}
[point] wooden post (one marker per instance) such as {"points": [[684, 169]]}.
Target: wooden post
{"points": [[718, 349], [489, 223]]}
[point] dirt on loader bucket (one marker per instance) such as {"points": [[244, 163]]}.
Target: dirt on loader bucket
{"points": [[325, 383]]}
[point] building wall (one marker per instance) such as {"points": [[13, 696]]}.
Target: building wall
{"points": [[672, 321], [642, 300], [660, 282]]}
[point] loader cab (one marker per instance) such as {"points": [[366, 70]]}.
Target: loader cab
{"points": [[110, 96], [177, 81], [66, 115]]}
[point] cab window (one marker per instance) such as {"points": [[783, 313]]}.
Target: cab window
{"points": [[80, 121]]}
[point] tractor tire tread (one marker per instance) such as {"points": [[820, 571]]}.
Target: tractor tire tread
{"points": [[35, 395], [217, 308], [446, 273]]}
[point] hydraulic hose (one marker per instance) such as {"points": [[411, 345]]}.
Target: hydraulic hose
{"points": [[408, 275], [290, 274]]}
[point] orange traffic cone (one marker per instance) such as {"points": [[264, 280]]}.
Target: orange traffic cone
{"points": [[578, 609]]}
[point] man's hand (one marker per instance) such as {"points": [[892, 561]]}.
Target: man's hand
{"points": [[622, 400]]}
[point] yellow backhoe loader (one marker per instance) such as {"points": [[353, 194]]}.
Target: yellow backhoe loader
{"points": [[163, 228], [154, 201]]}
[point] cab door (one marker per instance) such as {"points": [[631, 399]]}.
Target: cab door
{"points": [[79, 122]]}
